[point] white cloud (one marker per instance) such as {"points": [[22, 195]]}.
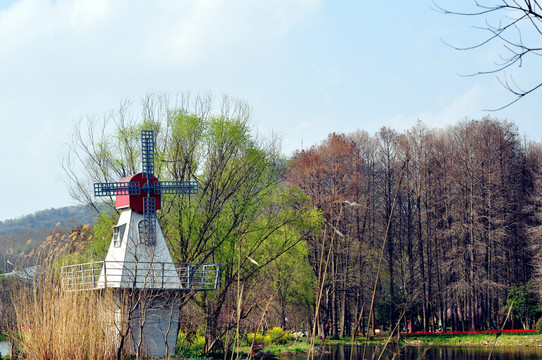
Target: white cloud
{"points": [[196, 33], [23, 22], [31, 21], [36, 141], [84, 13], [326, 81], [303, 125], [466, 104], [220, 29]]}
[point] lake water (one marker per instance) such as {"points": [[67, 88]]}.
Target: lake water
{"points": [[342, 352]]}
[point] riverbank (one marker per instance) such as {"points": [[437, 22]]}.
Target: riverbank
{"points": [[301, 346], [524, 340], [530, 340], [530, 343]]}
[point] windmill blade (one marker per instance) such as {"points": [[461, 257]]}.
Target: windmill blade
{"points": [[147, 153], [176, 187], [149, 220], [116, 188]]}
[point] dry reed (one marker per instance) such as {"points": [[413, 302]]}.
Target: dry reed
{"points": [[55, 324]]}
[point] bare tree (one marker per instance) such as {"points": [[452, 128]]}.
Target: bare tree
{"points": [[515, 25]]}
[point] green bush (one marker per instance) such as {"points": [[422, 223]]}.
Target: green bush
{"points": [[278, 336], [273, 336], [190, 344], [539, 325], [259, 338]]}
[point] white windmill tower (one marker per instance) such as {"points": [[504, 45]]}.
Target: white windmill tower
{"points": [[139, 261]]}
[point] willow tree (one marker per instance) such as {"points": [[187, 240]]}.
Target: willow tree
{"points": [[243, 217]]}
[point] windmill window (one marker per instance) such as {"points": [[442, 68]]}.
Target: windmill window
{"points": [[118, 234], [141, 231], [146, 233]]}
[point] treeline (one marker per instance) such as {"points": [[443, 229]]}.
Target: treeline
{"points": [[450, 216]]}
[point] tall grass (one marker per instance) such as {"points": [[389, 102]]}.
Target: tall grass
{"points": [[55, 324]]}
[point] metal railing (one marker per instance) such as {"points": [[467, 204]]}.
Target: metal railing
{"points": [[140, 275], [81, 276]]}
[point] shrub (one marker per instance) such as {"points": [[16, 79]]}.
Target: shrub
{"points": [[277, 336], [190, 344], [539, 325], [259, 338], [274, 335]]}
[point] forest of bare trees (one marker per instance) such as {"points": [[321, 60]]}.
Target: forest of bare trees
{"points": [[452, 212]]}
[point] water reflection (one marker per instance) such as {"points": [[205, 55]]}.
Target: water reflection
{"points": [[342, 352]]}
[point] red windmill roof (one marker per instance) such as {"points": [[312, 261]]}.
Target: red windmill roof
{"points": [[135, 202]]}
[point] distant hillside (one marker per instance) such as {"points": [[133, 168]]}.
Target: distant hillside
{"points": [[69, 216], [19, 238]]}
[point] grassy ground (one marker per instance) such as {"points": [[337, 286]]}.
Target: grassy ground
{"points": [[295, 347], [532, 340], [476, 340], [301, 346]]}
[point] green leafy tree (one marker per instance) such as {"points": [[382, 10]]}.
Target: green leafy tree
{"points": [[102, 234], [244, 216], [294, 285], [524, 303]]}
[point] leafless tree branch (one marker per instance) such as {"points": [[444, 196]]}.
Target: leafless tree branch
{"points": [[516, 18]]}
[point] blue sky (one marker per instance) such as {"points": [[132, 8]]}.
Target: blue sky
{"points": [[307, 67]]}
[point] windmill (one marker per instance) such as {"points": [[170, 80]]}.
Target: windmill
{"points": [[138, 258]]}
